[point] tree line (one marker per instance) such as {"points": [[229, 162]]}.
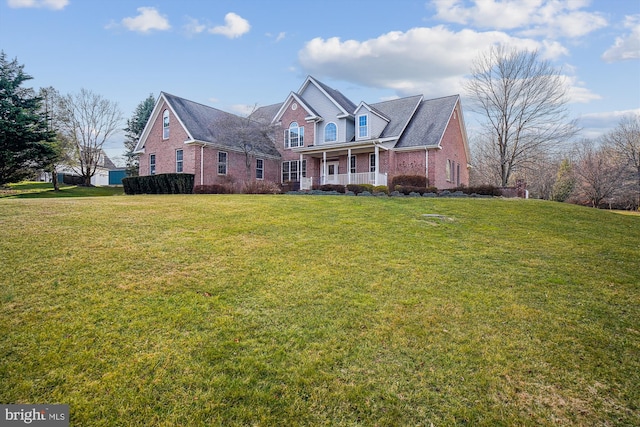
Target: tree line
{"points": [[526, 133]]}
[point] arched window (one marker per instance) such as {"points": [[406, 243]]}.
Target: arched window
{"points": [[294, 136], [330, 132], [165, 124]]}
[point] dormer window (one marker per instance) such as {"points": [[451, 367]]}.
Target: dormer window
{"points": [[294, 136], [165, 124], [363, 126], [330, 132]]}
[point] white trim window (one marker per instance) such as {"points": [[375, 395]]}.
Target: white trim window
{"points": [[363, 126], [292, 170], [165, 124], [152, 164], [222, 163], [372, 162], [259, 169], [330, 132], [352, 164], [294, 136], [447, 170], [179, 160]]}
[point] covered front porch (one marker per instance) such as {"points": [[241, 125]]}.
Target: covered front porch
{"points": [[342, 164]]}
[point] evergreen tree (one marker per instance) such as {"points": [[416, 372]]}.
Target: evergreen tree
{"points": [[565, 182], [133, 132], [24, 138]]}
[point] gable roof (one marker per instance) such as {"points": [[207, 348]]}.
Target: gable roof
{"points": [[398, 112], [428, 124], [209, 125], [335, 95]]}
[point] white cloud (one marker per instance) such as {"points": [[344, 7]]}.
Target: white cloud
{"points": [[148, 20], [627, 46], [596, 124], [576, 92], [49, 4], [432, 61], [234, 26], [550, 18], [281, 36], [194, 26]]}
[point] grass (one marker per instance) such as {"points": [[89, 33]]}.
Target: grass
{"points": [[296, 310], [44, 190]]}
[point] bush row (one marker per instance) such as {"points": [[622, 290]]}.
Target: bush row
{"points": [[255, 187], [165, 183], [409, 181]]}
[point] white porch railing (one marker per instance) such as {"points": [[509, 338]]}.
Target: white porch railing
{"points": [[344, 179]]}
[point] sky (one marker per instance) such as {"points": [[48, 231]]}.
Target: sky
{"points": [[235, 54]]}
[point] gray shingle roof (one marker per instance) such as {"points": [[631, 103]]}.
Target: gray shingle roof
{"points": [[428, 123], [208, 124], [337, 96], [398, 111]]}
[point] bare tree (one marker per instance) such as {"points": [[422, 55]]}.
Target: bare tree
{"points": [[523, 100], [51, 101], [246, 133], [625, 141], [598, 174], [88, 120]]}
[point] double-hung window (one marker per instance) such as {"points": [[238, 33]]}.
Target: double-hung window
{"points": [[179, 161], [152, 164], [259, 169], [363, 126], [294, 136], [372, 162], [165, 124], [222, 163], [293, 170], [352, 164]]}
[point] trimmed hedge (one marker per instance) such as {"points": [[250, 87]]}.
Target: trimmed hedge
{"points": [[165, 183], [409, 181], [481, 190], [330, 187], [360, 188]]}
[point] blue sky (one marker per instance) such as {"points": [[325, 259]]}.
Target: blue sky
{"points": [[234, 54]]}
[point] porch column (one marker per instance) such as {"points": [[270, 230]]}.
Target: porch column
{"points": [[377, 154], [300, 171], [349, 166], [324, 167]]}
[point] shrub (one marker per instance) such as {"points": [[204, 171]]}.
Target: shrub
{"points": [[380, 189], [408, 189], [481, 190], [330, 187], [410, 181], [261, 187], [166, 183], [213, 189], [359, 188]]}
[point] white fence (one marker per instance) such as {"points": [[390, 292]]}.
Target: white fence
{"points": [[344, 179]]}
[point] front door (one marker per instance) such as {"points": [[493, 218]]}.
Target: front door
{"points": [[332, 173]]}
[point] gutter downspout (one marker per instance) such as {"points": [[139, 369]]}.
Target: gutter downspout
{"points": [[426, 164], [202, 164]]}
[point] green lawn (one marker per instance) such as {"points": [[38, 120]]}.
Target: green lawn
{"points": [[301, 310], [44, 190]]}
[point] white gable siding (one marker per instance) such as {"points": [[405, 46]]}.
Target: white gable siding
{"points": [[375, 122], [325, 109]]}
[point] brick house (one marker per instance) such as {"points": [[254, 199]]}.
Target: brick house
{"points": [[316, 136]]}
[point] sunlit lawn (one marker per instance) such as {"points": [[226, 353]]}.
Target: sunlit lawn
{"points": [[304, 310], [44, 190]]}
